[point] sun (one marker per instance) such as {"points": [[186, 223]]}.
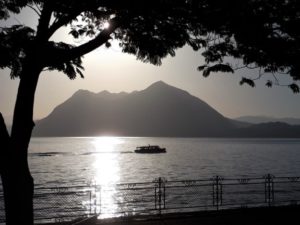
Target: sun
{"points": [[106, 25]]}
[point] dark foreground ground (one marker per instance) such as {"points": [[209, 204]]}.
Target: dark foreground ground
{"points": [[252, 216]]}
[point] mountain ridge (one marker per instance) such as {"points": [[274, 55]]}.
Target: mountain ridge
{"points": [[266, 119], [159, 110]]}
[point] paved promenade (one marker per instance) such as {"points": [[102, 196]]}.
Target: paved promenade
{"points": [[253, 216]]}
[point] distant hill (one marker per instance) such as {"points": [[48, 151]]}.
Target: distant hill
{"points": [[266, 119], [269, 130], [159, 110]]}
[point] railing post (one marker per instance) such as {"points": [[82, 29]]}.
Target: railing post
{"points": [[217, 192], [164, 194], [269, 189], [155, 195], [91, 204], [95, 191], [160, 195], [100, 199]]}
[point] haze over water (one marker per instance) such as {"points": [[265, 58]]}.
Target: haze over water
{"points": [[110, 160]]}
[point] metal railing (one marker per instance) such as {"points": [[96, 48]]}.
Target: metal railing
{"points": [[58, 204], [162, 196], [2, 213], [64, 203]]}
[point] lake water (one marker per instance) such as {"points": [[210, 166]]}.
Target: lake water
{"points": [[66, 162], [110, 160]]}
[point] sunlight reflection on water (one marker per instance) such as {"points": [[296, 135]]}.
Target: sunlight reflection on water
{"points": [[108, 161], [107, 172]]}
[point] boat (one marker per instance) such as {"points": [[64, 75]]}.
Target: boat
{"points": [[150, 149]]}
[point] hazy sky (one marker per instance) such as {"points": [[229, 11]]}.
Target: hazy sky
{"points": [[109, 69]]}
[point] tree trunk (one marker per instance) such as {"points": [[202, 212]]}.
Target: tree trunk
{"points": [[16, 178]]}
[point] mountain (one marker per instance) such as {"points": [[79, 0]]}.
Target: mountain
{"points": [[266, 119], [159, 110], [269, 130]]}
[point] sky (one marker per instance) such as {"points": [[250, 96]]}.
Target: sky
{"points": [[112, 70]]}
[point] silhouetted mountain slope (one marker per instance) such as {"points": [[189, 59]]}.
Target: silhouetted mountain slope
{"points": [[270, 130], [266, 119], [159, 110]]}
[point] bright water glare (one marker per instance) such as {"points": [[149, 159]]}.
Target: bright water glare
{"points": [[111, 160]]}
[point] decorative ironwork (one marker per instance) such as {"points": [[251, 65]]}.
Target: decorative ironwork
{"points": [[131, 185], [162, 196], [60, 189], [243, 180], [269, 189], [294, 179], [244, 206], [59, 220], [189, 183], [217, 191]]}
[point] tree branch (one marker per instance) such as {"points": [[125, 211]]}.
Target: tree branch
{"points": [[61, 22], [275, 78], [37, 6], [60, 56], [34, 9], [43, 25]]}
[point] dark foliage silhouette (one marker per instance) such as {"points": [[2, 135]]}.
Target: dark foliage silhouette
{"points": [[261, 34]]}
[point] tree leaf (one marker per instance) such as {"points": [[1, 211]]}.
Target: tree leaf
{"points": [[247, 81], [200, 68], [206, 72], [107, 44], [215, 68], [221, 68], [70, 71], [294, 87], [269, 84], [79, 72], [74, 33]]}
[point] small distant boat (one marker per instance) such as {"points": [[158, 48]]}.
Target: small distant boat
{"points": [[150, 149]]}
